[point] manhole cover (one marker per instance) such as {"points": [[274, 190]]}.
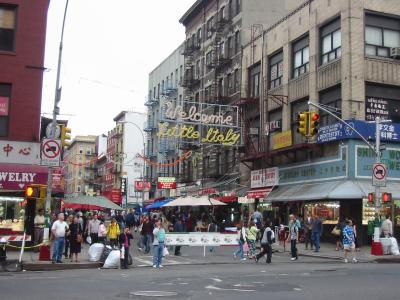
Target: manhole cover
{"points": [[153, 294]]}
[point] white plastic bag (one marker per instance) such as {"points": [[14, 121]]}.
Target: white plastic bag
{"points": [[89, 240], [395, 247], [95, 252], [165, 252], [112, 261]]}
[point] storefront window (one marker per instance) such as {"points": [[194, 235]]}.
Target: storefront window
{"points": [[368, 213], [12, 211], [327, 211]]}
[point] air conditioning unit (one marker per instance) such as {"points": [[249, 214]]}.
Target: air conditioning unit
{"points": [[395, 52]]}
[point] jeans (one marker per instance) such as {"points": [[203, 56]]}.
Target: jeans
{"points": [[240, 252], [308, 239], [293, 248], [315, 238], [146, 242], [266, 249], [58, 248], [157, 255]]}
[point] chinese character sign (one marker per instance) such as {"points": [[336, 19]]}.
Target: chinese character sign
{"points": [[19, 152]]}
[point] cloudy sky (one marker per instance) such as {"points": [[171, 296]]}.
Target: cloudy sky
{"points": [[110, 47]]}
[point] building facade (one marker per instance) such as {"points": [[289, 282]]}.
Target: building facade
{"points": [[22, 45], [343, 55], [215, 33], [81, 163], [164, 83]]}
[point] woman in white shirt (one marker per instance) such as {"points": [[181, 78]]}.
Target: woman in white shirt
{"points": [[242, 238]]}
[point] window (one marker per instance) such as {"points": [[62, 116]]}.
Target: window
{"points": [[158, 91], [198, 71], [301, 57], [238, 6], [172, 80], [236, 84], [80, 149], [221, 50], [381, 34], [221, 14], [199, 37], [221, 87], [202, 66], [7, 28], [180, 73], [333, 99], [254, 81], [230, 84], [210, 27], [276, 70], [207, 94], [5, 94], [230, 47], [176, 77], [237, 42], [331, 42], [209, 61], [230, 9]]}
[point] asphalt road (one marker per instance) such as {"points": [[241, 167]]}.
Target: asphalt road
{"points": [[286, 280]]}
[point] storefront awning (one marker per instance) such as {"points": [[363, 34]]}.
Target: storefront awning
{"points": [[259, 193], [334, 190]]}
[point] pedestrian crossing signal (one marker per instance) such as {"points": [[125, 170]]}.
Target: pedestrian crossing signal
{"points": [[386, 197], [37, 191], [371, 198]]}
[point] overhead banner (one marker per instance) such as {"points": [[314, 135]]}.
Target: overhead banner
{"points": [[201, 239], [166, 183], [203, 123]]}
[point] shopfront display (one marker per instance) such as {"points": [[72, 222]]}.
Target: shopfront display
{"points": [[12, 213], [327, 211], [368, 212]]}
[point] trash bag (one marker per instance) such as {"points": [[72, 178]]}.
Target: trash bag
{"points": [[394, 249], [88, 239], [112, 261], [95, 252], [106, 251]]}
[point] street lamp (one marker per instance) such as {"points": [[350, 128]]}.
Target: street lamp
{"points": [[144, 152]]}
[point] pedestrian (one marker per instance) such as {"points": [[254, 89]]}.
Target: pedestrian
{"points": [[130, 219], [178, 228], [146, 232], [158, 244], [308, 223], [93, 229], [102, 232], [120, 220], [337, 233], [293, 236], [212, 227], [113, 231], [257, 216], [75, 238], [39, 228], [241, 238], [125, 242], [349, 241], [387, 227], [267, 240], [251, 238], [316, 232], [67, 255], [59, 230]]}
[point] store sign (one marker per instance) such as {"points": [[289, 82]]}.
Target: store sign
{"points": [[17, 177], [376, 107], [261, 193], [200, 122], [272, 126], [365, 159], [114, 195], [58, 182], [123, 186], [325, 169], [282, 140], [4, 106], [208, 191], [246, 200], [264, 177], [389, 131], [19, 153], [142, 185], [166, 183]]}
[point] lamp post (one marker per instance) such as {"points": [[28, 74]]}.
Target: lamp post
{"points": [[144, 151]]}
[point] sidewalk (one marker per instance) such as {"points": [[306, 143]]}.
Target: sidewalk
{"points": [[328, 251]]}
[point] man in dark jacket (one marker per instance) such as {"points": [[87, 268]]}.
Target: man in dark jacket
{"points": [[316, 232], [147, 232], [178, 227], [124, 242]]}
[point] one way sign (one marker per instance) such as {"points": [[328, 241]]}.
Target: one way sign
{"points": [[51, 152]]}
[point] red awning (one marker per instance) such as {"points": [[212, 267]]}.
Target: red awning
{"points": [[226, 199], [259, 193]]}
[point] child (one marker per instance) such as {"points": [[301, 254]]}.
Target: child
{"points": [[124, 242]]}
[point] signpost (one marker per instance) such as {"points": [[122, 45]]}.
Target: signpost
{"points": [[379, 174], [51, 152]]}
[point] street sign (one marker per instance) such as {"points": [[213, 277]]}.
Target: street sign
{"points": [[379, 175], [49, 129], [51, 152]]}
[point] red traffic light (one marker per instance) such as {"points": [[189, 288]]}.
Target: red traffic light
{"points": [[371, 197], [386, 197], [315, 117]]}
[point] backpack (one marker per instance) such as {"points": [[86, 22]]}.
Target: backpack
{"points": [[161, 236]]}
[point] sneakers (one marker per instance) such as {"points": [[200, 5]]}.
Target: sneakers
{"points": [[243, 259], [293, 258], [355, 260], [234, 255], [346, 260], [154, 266], [161, 266]]}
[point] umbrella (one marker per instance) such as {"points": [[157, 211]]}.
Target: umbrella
{"points": [[158, 204], [193, 201], [89, 202]]}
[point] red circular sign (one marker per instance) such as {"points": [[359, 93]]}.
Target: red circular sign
{"points": [[379, 172], [51, 149]]}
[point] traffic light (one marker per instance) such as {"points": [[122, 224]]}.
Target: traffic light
{"points": [[371, 198], [36, 191], [314, 123], [65, 136], [386, 197], [302, 123]]}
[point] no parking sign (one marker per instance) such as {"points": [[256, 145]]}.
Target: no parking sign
{"points": [[51, 152]]}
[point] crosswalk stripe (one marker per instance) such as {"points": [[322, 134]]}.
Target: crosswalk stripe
{"points": [[149, 263]]}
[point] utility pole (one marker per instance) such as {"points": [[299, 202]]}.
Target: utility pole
{"points": [[56, 110], [378, 159]]}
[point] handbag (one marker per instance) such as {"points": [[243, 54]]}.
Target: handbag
{"points": [[165, 252], [335, 231]]}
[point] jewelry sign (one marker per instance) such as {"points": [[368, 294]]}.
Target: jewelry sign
{"points": [[192, 122]]}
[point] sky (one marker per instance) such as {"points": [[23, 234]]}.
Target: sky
{"points": [[110, 47]]}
